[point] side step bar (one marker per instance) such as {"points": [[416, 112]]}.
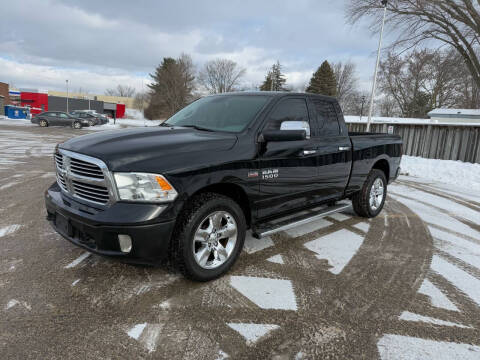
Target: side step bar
{"points": [[303, 217]]}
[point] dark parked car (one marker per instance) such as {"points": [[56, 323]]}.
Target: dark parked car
{"points": [[191, 188], [59, 118], [93, 118]]}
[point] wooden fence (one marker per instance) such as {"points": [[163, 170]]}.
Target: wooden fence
{"points": [[433, 141]]}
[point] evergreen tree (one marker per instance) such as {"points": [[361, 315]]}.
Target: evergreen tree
{"points": [[275, 80], [323, 81], [172, 87]]}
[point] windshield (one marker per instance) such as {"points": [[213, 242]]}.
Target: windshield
{"points": [[231, 113]]}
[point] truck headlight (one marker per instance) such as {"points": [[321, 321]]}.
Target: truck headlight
{"points": [[144, 187]]}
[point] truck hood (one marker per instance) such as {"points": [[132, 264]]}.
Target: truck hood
{"points": [[154, 149]]}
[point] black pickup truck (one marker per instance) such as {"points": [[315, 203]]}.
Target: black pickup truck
{"points": [[189, 189]]}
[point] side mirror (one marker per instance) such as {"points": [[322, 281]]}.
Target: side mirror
{"points": [[284, 135], [296, 125]]}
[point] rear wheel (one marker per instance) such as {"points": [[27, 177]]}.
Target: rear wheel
{"points": [[91, 122], [43, 123], [77, 125], [209, 237], [369, 201]]}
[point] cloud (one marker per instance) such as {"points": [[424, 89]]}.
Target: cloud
{"points": [[100, 43]]}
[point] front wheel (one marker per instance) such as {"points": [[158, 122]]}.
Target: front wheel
{"points": [[369, 201], [77, 125], [43, 123], [209, 237]]}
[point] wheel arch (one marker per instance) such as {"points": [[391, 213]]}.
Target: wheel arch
{"points": [[231, 190], [384, 166]]}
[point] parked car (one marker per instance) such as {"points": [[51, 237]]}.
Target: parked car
{"points": [[92, 117], [191, 188], [59, 118]]}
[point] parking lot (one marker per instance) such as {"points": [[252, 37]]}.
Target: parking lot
{"points": [[405, 285]]}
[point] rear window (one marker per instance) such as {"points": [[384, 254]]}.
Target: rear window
{"points": [[326, 118]]}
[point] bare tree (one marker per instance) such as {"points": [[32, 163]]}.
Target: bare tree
{"points": [[347, 81], [140, 101], [121, 90], [452, 22], [220, 75], [422, 80]]}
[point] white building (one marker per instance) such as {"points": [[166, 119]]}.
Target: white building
{"points": [[455, 116]]}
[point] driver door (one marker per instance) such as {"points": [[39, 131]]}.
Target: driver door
{"points": [[288, 169]]}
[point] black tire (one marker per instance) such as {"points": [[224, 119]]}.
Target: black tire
{"points": [[77, 125], [43, 123], [195, 211], [361, 199]]}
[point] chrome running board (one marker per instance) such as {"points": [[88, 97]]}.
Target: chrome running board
{"points": [[297, 219]]}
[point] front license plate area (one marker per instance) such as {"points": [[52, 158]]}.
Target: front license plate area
{"points": [[63, 225]]}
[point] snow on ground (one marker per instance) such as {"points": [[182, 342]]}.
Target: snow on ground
{"points": [[338, 248], [252, 332], [437, 298], [78, 260], [266, 293], [459, 173], [409, 316], [7, 230], [397, 347]]}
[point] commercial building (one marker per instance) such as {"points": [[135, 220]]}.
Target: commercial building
{"points": [[39, 101], [4, 88]]}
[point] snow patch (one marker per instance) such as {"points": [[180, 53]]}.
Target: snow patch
{"points": [[78, 260], [338, 248], [252, 332], [308, 228], [7, 230], [398, 347], [15, 302], [252, 245], [459, 248], [136, 331], [266, 293], [460, 279], [408, 316], [437, 298], [278, 259], [363, 226], [459, 173]]}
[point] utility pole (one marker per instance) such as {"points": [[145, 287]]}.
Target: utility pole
{"points": [[374, 85], [67, 94]]}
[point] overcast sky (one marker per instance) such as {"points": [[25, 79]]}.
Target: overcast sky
{"points": [[99, 44]]}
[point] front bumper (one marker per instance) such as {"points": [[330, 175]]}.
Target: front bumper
{"points": [[96, 230]]}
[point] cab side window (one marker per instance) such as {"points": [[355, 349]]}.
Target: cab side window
{"points": [[289, 110], [326, 118]]}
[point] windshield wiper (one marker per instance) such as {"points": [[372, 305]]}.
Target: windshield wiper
{"points": [[196, 127]]}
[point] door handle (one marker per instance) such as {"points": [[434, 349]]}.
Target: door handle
{"points": [[343, 148], [309, 152]]}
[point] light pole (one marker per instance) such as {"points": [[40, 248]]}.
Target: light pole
{"points": [[67, 94], [363, 103], [374, 85]]}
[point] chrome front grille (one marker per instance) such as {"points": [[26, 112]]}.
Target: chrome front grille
{"points": [[83, 168], [84, 177]]}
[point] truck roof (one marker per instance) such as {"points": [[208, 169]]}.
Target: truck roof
{"points": [[275, 94]]}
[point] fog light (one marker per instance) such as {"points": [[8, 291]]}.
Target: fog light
{"points": [[125, 242]]}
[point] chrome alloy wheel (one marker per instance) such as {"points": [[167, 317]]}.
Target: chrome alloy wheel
{"points": [[377, 192], [214, 240], [77, 125]]}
